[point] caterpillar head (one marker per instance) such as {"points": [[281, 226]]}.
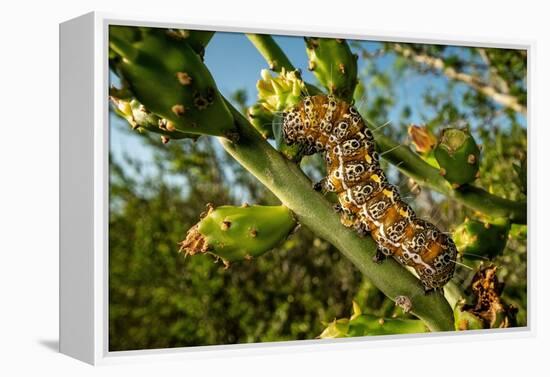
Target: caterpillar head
{"points": [[293, 128], [442, 267]]}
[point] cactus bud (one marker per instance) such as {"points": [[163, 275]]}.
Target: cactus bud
{"points": [[480, 240], [334, 65], [239, 233], [281, 92], [424, 142], [421, 137], [458, 155], [261, 119], [168, 77]]}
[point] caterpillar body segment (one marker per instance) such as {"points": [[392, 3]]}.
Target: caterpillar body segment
{"points": [[368, 202]]}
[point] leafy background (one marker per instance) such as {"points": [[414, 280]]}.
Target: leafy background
{"points": [[159, 298]]}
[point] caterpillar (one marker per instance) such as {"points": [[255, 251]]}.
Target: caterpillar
{"points": [[367, 201]]}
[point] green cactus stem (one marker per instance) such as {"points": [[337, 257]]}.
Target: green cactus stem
{"points": [[239, 233], [141, 119], [360, 324], [488, 310], [481, 240], [196, 39], [169, 78], [272, 53], [458, 156], [261, 119], [334, 65]]}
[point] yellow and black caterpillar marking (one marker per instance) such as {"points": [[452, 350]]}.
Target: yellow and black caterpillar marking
{"points": [[367, 201]]}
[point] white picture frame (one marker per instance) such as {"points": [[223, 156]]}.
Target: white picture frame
{"points": [[84, 144]]}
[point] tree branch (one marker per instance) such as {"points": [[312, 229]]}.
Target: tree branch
{"points": [[475, 82]]}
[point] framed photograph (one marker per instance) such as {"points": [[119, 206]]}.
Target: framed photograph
{"points": [[228, 189]]}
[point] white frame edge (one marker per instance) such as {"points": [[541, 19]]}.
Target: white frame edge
{"points": [[84, 141]]}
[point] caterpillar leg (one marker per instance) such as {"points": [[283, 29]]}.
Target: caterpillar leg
{"points": [[347, 221], [429, 290], [380, 256], [319, 186], [361, 228], [323, 186]]}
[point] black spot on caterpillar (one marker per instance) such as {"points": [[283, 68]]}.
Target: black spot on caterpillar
{"points": [[368, 202]]}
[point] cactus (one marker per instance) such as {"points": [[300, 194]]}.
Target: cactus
{"points": [[458, 156], [261, 119], [360, 324], [481, 240], [239, 233], [334, 65], [196, 39], [169, 78], [147, 60]]}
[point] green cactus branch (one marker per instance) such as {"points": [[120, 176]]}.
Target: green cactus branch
{"points": [[294, 189], [272, 53], [413, 166]]}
